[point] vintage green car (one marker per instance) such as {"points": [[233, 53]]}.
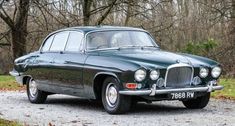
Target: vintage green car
{"points": [[117, 65]]}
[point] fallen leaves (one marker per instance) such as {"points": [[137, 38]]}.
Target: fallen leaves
{"points": [[223, 97], [19, 88]]}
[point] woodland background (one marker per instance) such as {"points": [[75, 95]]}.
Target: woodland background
{"points": [[201, 27]]}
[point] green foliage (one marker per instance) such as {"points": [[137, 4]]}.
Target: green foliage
{"points": [[200, 48]]}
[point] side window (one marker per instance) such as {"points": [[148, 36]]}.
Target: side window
{"points": [[59, 41], [47, 44], [74, 41]]}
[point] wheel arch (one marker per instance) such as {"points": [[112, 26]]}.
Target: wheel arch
{"points": [[98, 82], [25, 79]]}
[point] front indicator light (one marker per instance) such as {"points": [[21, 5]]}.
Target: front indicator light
{"points": [[131, 85]]}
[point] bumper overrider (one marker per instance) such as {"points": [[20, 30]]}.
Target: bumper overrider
{"points": [[211, 86]]}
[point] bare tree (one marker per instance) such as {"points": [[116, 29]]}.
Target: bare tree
{"points": [[17, 24]]}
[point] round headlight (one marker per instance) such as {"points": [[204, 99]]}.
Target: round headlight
{"points": [[216, 71], [203, 72], [154, 74], [140, 75]]}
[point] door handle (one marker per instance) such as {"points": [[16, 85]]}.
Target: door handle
{"points": [[67, 62], [35, 56], [52, 62], [70, 62]]}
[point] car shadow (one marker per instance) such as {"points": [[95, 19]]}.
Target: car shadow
{"points": [[139, 108]]}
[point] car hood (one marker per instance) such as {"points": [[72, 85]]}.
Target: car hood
{"points": [[156, 57]]}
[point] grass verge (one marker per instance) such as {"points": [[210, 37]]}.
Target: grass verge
{"points": [[229, 89], [9, 83], [4, 122]]}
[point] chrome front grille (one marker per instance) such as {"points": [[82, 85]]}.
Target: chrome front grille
{"points": [[179, 75]]}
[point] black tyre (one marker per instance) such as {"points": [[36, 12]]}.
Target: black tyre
{"points": [[113, 102], [197, 103], [34, 95]]}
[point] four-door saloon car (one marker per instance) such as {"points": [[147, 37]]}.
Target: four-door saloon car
{"points": [[117, 65]]}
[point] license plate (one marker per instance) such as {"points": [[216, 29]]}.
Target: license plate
{"points": [[182, 95]]}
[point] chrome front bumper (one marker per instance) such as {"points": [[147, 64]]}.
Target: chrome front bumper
{"points": [[14, 73], [153, 91], [18, 76]]}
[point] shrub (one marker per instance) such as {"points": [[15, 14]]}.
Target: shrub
{"points": [[201, 48]]}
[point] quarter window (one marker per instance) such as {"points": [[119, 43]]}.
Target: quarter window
{"points": [[47, 44], [59, 41], [74, 41]]}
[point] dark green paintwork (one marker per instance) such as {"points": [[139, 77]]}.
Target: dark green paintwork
{"points": [[75, 73]]}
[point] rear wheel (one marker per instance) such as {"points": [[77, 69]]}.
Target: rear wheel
{"points": [[197, 103], [113, 102], [34, 94]]}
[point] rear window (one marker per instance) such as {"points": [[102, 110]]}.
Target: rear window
{"points": [[47, 44], [59, 41], [74, 41]]}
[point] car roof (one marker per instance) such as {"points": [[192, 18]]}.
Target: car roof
{"points": [[86, 29]]}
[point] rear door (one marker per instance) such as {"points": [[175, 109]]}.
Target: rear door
{"points": [[69, 63]]}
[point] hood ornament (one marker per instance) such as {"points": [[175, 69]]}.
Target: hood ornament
{"points": [[178, 61], [186, 62]]}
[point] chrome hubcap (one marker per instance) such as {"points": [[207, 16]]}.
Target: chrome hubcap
{"points": [[111, 95], [32, 88]]}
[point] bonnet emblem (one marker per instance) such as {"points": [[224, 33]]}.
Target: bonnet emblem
{"points": [[178, 61]]}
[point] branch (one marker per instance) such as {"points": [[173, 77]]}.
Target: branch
{"points": [[5, 44], [39, 5], [101, 19], [22, 13], [6, 18]]}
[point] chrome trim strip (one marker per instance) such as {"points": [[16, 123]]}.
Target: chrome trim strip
{"points": [[178, 65], [209, 88], [140, 92]]}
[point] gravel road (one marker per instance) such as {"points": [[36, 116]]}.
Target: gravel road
{"points": [[67, 110]]}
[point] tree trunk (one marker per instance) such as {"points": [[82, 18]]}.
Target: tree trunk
{"points": [[18, 42], [233, 20], [129, 12], [19, 30], [86, 12], [18, 27]]}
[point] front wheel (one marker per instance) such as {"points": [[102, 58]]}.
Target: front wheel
{"points": [[34, 94], [113, 102], [197, 103]]}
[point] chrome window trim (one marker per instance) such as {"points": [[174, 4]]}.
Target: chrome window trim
{"points": [[179, 65], [58, 31]]}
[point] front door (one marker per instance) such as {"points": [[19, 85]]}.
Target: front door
{"points": [[69, 69]]}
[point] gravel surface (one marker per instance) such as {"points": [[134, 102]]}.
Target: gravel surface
{"points": [[67, 110]]}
